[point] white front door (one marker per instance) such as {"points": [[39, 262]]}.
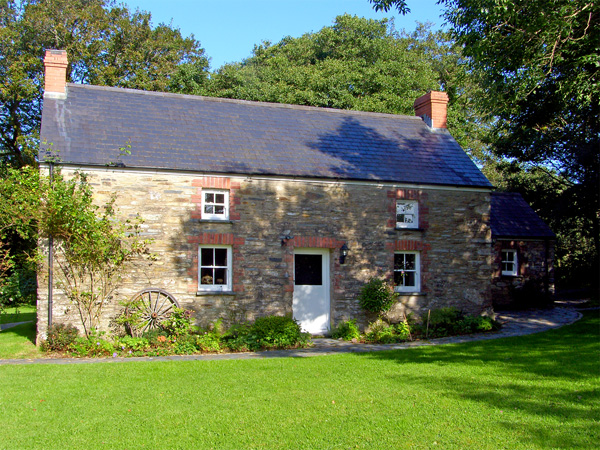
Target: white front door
{"points": [[311, 289]]}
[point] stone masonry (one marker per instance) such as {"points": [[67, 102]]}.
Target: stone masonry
{"points": [[453, 239], [534, 283]]}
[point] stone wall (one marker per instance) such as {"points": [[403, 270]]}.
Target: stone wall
{"points": [[453, 239], [534, 284]]}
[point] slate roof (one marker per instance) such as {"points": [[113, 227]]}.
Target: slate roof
{"points": [[193, 133], [512, 217]]}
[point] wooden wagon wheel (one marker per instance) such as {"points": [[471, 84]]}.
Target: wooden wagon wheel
{"points": [[153, 306]]}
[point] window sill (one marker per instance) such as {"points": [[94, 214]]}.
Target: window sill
{"points": [[204, 293], [411, 294], [214, 221], [410, 229]]}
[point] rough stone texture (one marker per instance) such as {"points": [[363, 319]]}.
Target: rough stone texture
{"points": [[534, 284], [453, 238]]}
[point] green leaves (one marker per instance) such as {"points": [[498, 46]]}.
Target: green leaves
{"points": [[106, 45]]}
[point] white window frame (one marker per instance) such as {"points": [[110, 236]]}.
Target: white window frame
{"points": [[514, 261], [225, 204], [416, 271], [228, 268], [402, 207]]}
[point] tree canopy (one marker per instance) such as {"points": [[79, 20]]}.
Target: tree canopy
{"points": [[106, 44]]}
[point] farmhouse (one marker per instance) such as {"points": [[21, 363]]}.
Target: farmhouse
{"points": [[259, 208]]}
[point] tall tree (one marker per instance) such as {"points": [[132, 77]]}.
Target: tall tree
{"points": [[358, 64], [538, 64], [106, 45]]}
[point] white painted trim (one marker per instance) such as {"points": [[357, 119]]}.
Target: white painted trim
{"points": [[216, 288], [324, 181], [417, 271], [216, 217], [515, 262]]}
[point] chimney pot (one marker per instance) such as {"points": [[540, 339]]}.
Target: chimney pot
{"points": [[433, 108], [55, 64]]}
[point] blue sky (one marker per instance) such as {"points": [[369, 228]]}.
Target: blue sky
{"points": [[228, 29]]}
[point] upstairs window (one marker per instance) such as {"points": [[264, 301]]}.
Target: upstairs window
{"points": [[407, 214], [509, 263], [407, 272], [214, 268], [215, 205]]}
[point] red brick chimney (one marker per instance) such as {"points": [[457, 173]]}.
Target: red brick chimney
{"points": [[55, 64], [432, 108]]}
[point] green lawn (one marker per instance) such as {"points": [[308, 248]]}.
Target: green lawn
{"points": [[531, 392], [18, 342], [19, 314]]}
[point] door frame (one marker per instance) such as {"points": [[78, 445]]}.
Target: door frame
{"points": [[326, 271]]}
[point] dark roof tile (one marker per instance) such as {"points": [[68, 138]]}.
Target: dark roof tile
{"points": [[182, 132], [512, 217]]}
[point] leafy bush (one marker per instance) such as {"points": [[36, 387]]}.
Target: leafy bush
{"points": [[276, 332], [441, 322], [60, 337], [377, 296], [208, 342], [179, 322], [381, 332], [18, 288], [92, 345], [450, 321], [346, 330]]}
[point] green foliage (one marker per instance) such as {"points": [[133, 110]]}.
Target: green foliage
{"points": [[451, 321], [377, 296], [18, 288], [107, 45], [92, 246], [537, 62], [60, 337], [381, 332], [275, 332], [178, 323], [346, 330], [209, 342]]}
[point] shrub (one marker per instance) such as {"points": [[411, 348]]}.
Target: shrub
{"points": [[381, 332], [134, 344], [179, 322], [377, 296], [92, 345], [442, 322], [208, 342], [276, 332], [450, 321], [346, 330], [60, 337]]}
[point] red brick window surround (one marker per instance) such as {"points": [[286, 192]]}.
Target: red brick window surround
{"points": [[408, 205], [407, 247], [210, 196], [218, 240]]}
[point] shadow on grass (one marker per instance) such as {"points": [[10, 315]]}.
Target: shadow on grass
{"points": [[26, 331], [547, 375], [17, 317]]}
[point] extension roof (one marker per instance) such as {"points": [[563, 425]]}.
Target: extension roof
{"points": [[214, 135], [512, 217]]}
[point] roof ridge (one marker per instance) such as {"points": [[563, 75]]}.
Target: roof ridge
{"points": [[243, 102]]}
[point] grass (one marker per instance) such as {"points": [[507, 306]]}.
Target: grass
{"points": [[531, 392], [18, 342], [20, 314]]}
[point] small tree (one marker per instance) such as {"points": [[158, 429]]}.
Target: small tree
{"points": [[92, 246], [377, 296]]}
